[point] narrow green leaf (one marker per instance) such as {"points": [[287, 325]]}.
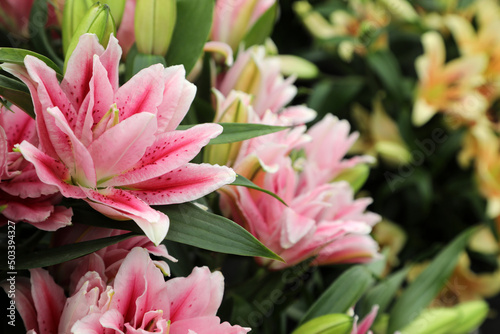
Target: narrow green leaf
{"points": [[386, 66], [244, 182], [51, 256], [428, 284], [38, 36], [194, 21], [16, 56], [235, 132], [262, 28], [194, 226], [17, 93], [382, 293], [343, 293], [327, 324], [189, 225]]}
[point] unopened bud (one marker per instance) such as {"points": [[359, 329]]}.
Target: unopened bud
{"points": [[98, 21], [330, 323], [73, 13], [154, 25]]}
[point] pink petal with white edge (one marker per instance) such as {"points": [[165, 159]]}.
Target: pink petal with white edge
{"points": [[205, 325], [143, 92], [24, 301], [48, 298], [98, 102], [367, 321], [185, 184], [294, 227], [79, 69], [110, 59], [122, 146], [75, 156], [177, 98], [139, 287], [169, 151], [121, 204], [50, 171], [27, 185], [18, 125], [89, 325], [198, 295]]}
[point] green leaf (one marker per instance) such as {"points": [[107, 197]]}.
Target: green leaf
{"points": [[235, 132], [194, 21], [327, 324], [194, 226], [428, 284], [51, 256], [16, 56], [38, 36], [262, 28], [244, 182], [189, 225], [343, 293], [386, 66], [383, 293], [17, 93]]}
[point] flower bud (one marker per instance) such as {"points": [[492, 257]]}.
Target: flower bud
{"points": [[299, 67], [98, 21], [355, 176], [73, 13], [330, 323], [154, 25], [460, 319], [233, 19], [117, 8], [234, 109]]}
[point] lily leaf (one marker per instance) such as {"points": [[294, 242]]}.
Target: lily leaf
{"points": [[343, 293], [16, 56], [244, 182], [235, 132], [189, 225], [188, 39], [51, 256], [428, 284], [17, 93]]}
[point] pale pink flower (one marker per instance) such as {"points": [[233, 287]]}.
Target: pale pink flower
{"points": [[105, 261], [234, 18], [256, 74], [22, 195], [14, 16], [137, 301], [322, 219], [116, 147]]}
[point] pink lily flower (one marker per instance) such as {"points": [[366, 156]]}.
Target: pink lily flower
{"points": [[22, 195], [106, 261], [116, 147], [137, 301], [322, 219], [256, 74], [234, 18], [366, 323]]}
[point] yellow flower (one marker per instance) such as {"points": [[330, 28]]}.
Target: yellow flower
{"points": [[451, 87]]}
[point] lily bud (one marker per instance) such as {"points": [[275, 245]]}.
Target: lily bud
{"points": [[355, 176], [460, 319], [98, 21], [154, 25], [233, 19], [330, 323], [117, 8], [299, 67], [233, 109], [73, 13]]}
